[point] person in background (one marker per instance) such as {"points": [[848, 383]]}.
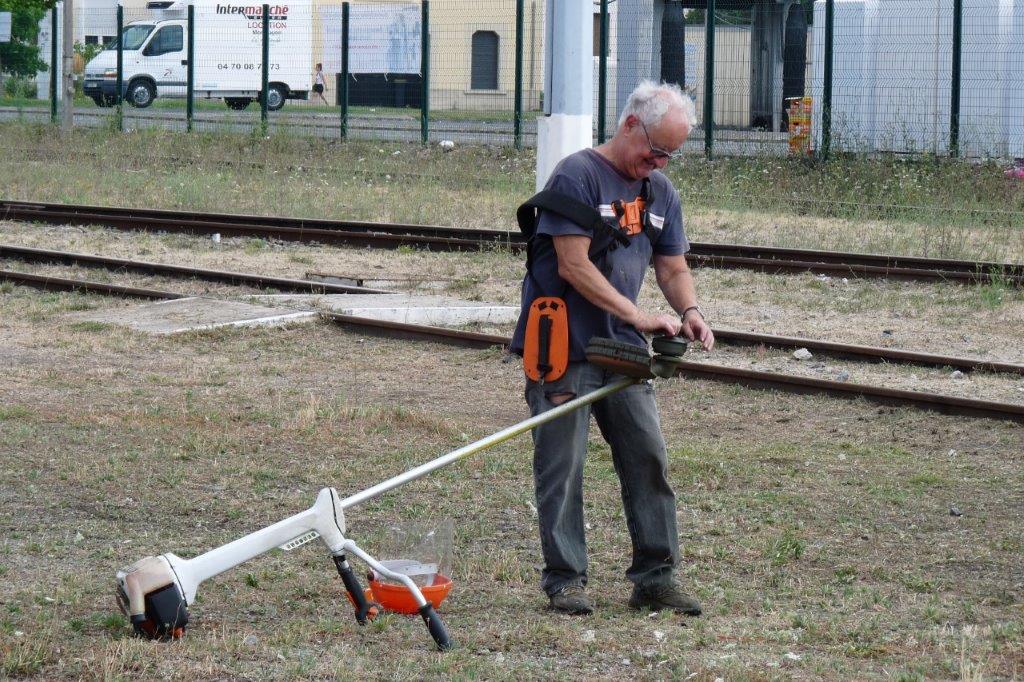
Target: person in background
{"points": [[319, 82]]}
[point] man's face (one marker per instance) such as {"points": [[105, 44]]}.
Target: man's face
{"points": [[651, 147]]}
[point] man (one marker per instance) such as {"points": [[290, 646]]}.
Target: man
{"points": [[600, 292]]}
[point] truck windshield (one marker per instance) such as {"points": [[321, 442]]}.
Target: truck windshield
{"points": [[133, 36]]}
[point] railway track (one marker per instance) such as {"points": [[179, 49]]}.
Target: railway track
{"points": [[745, 377], [775, 260], [945, 404], [33, 255], [732, 337], [47, 283]]}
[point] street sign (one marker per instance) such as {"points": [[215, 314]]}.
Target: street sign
{"points": [[5, 27]]}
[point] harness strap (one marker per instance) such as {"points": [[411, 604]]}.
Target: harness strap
{"points": [[584, 215]]}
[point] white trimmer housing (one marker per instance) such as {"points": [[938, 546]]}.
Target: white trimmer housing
{"points": [[155, 592]]}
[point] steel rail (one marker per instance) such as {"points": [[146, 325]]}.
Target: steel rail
{"points": [[63, 284], [773, 260], [775, 267], [750, 378], [81, 214], [193, 225], [865, 353], [29, 254], [848, 258]]}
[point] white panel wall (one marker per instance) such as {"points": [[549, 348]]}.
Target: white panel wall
{"points": [[892, 76]]}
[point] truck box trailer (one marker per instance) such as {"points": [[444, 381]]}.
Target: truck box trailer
{"points": [[228, 53]]}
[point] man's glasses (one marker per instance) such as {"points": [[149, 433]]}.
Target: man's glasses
{"points": [[657, 152]]}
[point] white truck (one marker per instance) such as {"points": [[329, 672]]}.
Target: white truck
{"points": [[228, 53]]}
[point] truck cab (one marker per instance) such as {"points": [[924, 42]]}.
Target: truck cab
{"points": [[228, 56], [154, 64]]}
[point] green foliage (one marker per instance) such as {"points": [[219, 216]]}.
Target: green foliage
{"points": [[87, 52], [20, 57], [18, 87]]}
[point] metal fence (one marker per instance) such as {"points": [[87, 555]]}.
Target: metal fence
{"points": [[767, 77]]}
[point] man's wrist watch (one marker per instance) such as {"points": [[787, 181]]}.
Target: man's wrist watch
{"points": [[682, 315]]}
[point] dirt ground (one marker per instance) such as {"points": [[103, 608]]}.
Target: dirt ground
{"points": [[826, 538]]}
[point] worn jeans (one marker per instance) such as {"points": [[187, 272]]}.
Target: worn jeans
{"points": [[629, 423]]}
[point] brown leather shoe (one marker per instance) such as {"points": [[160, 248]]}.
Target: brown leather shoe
{"points": [[668, 596], [572, 599]]}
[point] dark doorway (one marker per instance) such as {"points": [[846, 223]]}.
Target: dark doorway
{"points": [[484, 73], [794, 54]]}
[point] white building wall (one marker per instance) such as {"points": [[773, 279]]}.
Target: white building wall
{"points": [[95, 18], [892, 76]]}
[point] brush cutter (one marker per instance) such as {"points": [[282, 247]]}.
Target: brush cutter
{"points": [[155, 592]]}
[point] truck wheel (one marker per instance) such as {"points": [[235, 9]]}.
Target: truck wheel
{"points": [[276, 97], [237, 103], [141, 94]]}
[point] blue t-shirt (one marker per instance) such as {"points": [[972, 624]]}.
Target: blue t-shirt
{"points": [[589, 177]]}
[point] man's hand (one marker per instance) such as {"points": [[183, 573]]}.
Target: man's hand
{"points": [[657, 323], [695, 328]]}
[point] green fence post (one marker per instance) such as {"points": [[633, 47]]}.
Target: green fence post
{"points": [[425, 71], [343, 86], [826, 95], [709, 80], [602, 73], [119, 83], [954, 97], [53, 65], [517, 114], [265, 76], [190, 58]]}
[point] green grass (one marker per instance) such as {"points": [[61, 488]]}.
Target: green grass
{"points": [[928, 206], [293, 107]]}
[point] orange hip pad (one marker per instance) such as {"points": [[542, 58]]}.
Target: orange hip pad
{"points": [[546, 346]]}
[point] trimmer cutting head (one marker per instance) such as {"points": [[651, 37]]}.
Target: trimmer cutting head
{"points": [[637, 361], [150, 594], [620, 357]]}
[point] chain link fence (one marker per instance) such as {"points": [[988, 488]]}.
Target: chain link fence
{"points": [[767, 77]]}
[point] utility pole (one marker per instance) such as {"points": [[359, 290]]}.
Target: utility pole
{"points": [[67, 120]]}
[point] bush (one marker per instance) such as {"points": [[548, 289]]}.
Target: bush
{"points": [[18, 87]]}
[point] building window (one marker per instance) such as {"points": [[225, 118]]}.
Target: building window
{"points": [[92, 40], [484, 74]]}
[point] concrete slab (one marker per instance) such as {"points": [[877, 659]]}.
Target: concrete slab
{"points": [[193, 314], [431, 310]]}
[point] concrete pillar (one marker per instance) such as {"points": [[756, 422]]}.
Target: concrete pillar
{"points": [[766, 59], [568, 121]]}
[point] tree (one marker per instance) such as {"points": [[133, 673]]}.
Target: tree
{"points": [[20, 57]]}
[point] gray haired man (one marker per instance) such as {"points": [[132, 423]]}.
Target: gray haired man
{"points": [[600, 293]]}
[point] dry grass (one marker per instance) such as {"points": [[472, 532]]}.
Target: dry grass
{"points": [[817, 532], [810, 527]]}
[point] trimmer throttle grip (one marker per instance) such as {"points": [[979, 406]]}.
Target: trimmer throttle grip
{"points": [[436, 627], [355, 590]]}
